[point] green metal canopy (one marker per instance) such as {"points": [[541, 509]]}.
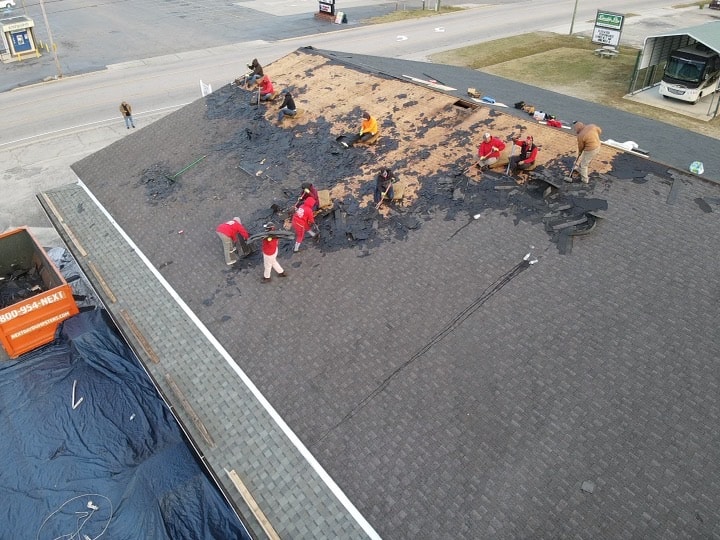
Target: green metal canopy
{"points": [[656, 49]]}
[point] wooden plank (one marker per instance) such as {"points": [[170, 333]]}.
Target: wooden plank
{"points": [[252, 504], [98, 276], [142, 340], [189, 410], [64, 225]]}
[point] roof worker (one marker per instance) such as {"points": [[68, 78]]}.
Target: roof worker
{"points": [[270, 252], [267, 90], [308, 197], [384, 185], [287, 107], [368, 129], [256, 72], [489, 151], [528, 153], [230, 232], [588, 141], [303, 222]]}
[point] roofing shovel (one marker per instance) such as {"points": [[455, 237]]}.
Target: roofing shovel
{"points": [[384, 194], [172, 178], [466, 169], [512, 150], [569, 177]]}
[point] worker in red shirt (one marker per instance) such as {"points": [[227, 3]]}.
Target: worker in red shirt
{"points": [[267, 91], [528, 153], [231, 232], [303, 221], [270, 251], [489, 151]]}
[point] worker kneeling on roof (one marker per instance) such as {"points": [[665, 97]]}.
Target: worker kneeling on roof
{"points": [[368, 130], [489, 151], [528, 153], [384, 185]]}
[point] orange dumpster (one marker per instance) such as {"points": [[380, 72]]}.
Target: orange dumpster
{"points": [[34, 297]]}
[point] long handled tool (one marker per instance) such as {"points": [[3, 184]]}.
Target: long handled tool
{"points": [[481, 159], [569, 177], [382, 198], [512, 149], [174, 176]]}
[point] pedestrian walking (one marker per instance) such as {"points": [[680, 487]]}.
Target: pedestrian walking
{"points": [[588, 141], [270, 252], [230, 232], [126, 111]]}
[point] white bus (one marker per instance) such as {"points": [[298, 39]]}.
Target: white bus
{"points": [[691, 73]]}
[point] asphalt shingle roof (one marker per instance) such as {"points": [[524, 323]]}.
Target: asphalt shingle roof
{"points": [[448, 387]]}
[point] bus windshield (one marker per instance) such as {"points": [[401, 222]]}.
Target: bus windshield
{"points": [[684, 69]]}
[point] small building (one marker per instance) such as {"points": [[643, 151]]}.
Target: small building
{"points": [[18, 38]]}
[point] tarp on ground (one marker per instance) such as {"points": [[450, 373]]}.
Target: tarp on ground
{"points": [[89, 450]]}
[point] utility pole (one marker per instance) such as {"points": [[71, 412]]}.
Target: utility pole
{"points": [[52, 41], [572, 23]]}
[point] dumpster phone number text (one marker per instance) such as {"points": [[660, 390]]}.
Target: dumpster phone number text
{"points": [[31, 306]]}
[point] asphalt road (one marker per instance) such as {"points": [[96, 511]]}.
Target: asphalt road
{"points": [[92, 35]]}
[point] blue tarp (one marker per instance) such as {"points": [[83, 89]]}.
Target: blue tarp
{"points": [[89, 450]]}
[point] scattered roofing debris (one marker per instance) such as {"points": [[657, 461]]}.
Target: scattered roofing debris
{"points": [[20, 284], [428, 137], [159, 183]]}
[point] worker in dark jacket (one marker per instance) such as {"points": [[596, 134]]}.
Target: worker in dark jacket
{"points": [[287, 107], [528, 153], [384, 185], [230, 232], [256, 73], [309, 196]]}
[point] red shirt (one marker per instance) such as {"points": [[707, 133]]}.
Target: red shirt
{"points": [[270, 245], [307, 217], [486, 148], [266, 87], [528, 152], [232, 228]]}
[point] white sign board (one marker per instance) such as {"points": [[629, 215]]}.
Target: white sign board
{"points": [[605, 36]]}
